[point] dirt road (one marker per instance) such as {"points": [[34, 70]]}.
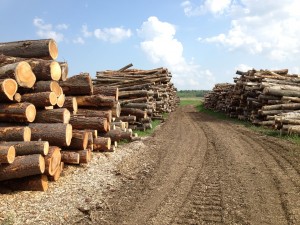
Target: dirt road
{"points": [[201, 170]]}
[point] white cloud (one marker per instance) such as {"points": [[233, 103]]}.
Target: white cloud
{"points": [[47, 31], [79, 40], [271, 29], [216, 7], [85, 31], [112, 35], [243, 67], [161, 46], [62, 26]]}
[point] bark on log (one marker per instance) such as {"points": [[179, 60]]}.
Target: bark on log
{"points": [[23, 166], [40, 99], [107, 91], [15, 134], [29, 147], [30, 183], [94, 123], [44, 48], [288, 106], [280, 92], [64, 70], [61, 115], [57, 134], [17, 112], [8, 88], [85, 156], [71, 104], [133, 94], [136, 112], [95, 113], [95, 101], [116, 109], [102, 144], [79, 140], [118, 135], [47, 86], [77, 85], [21, 72], [70, 157], [52, 160], [129, 119], [134, 100], [7, 153]]}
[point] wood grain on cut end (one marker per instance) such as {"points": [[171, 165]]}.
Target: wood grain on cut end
{"points": [[24, 75], [52, 98], [55, 71], [61, 100], [17, 97], [53, 49], [68, 134], [64, 70], [9, 87], [55, 87], [7, 153], [27, 134], [30, 113], [42, 164]]}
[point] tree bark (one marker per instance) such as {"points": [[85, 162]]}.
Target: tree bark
{"points": [[61, 115], [129, 119], [40, 99], [85, 156], [44, 48], [29, 147], [102, 144], [136, 112], [94, 123], [118, 135], [30, 183], [95, 101], [47, 86], [17, 112], [23, 166], [79, 140], [71, 104], [107, 91], [77, 85], [15, 133], [95, 113], [69, 157], [7, 153], [57, 134]]}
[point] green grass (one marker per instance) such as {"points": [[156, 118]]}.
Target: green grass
{"points": [[190, 101], [148, 132]]}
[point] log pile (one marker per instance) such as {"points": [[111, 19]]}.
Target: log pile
{"points": [[143, 94], [265, 97]]}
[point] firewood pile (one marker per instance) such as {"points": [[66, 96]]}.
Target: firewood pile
{"points": [[144, 95], [265, 97]]}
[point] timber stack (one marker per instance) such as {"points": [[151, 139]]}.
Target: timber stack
{"points": [[265, 97], [144, 95]]}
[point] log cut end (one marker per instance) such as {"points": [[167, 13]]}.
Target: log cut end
{"points": [[42, 165], [11, 154], [7, 153], [55, 71], [53, 49], [61, 100], [75, 105], [27, 134], [9, 87], [24, 75], [66, 116], [46, 148], [68, 134], [30, 113], [17, 97], [55, 87], [64, 70], [52, 98]]}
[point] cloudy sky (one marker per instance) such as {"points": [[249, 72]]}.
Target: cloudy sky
{"points": [[202, 42]]}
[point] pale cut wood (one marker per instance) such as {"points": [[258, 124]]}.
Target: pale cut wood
{"points": [[85, 156], [29, 147], [64, 70], [57, 134], [7, 153], [8, 88], [19, 71], [69, 157], [17, 112], [52, 160], [16, 133], [57, 173], [77, 85], [71, 104], [102, 144], [23, 166], [30, 183], [61, 115], [40, 99], [47, 86], [44, 48], [61, 100]]}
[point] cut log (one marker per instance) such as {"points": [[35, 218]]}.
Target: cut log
{"points": [[61, 100], [69, 157], [52, 160], [107, 91], [102, 144], [7, 153], [79, 140], [71, 104], [95, 113], [134, 94], [141, 106], [40, 99], [279, 92], [129, 119], [23, 166], [95, 101], [64, 70], [94, 123], [57, 173], [30, 183], [29, 147], [136, 112], [85, 156], [17, 112], [116, 109], [47, 86], [290, 106], [77, 85], [118, 135], [61, 115], [21, 72], [57, 134], [15, 134], [44, 48], [8, 88]]}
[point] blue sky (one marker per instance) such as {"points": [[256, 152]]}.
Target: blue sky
{"points": [[202, 42]]}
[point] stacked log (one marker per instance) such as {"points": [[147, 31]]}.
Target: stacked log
{"points": [[142, 93]]}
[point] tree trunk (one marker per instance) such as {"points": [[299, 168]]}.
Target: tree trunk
{"points": [[52, 160], [19, 71], [71, 104], [40, 99], [31, 183], [7, 153], [64, 70], [95, 113], [102, 144], [44, 48], [107, 91], [129, 119], [133, 94], [85, 156], [15, 133], [8, 88], [47, 86], [95, 101], [17, 112], [94, 123], [115, 109], [134, 100], [79, 140], [280, 92], [294, 106], [77, 85], [70, 157], [136, 112], [61, 115], [118, 135], [23, 166], [29, 147], [57, 134]]}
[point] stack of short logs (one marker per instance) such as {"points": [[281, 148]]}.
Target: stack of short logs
{"points": [[144, 95], [265, 97]]}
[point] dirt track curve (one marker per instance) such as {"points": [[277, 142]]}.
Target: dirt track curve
{"points": [[201, 170]]}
